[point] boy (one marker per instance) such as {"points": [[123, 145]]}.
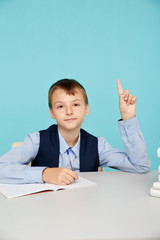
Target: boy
{"points": [[55, 151]]}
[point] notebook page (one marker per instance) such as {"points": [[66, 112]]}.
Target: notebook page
{"points": [[81, 182], [15, 190]]}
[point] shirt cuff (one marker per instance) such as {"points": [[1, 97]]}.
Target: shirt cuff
{"points": [[129, 127], [35, 175]]}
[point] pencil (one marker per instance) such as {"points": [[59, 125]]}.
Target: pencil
{"points": [[69, 160]]}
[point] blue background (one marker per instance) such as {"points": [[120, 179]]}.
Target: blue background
{"points": [[92, 41]]}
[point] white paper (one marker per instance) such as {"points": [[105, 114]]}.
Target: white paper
{"points": [[16, 190], [154, 192], [81, 182], [156, 185], [158, 152]]}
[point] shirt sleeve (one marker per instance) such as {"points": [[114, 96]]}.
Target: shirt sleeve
{"points": [[135, 158], [14, 167]]}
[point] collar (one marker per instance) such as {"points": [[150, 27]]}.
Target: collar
{"points": [[64, 146]]}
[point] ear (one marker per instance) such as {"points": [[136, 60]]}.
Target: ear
{"points": [[87, 110], [52, 114]]}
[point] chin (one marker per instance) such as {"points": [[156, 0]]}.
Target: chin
{"points": [[70, 126]]}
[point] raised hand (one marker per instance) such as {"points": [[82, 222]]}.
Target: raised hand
{"points": [[127, 102]]}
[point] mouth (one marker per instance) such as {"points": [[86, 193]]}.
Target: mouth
{"points": [[69, 119]]}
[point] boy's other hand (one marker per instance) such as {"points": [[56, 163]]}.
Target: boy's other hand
{"points": [[59, 176], [127, 102]]}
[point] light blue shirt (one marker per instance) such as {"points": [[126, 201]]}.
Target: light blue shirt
{"points": [[14, 164]]}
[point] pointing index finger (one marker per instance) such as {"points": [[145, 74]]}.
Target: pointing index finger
{"points": [[120, 91]]}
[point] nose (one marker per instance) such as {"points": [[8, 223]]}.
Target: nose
{"points": [[69, 110]]}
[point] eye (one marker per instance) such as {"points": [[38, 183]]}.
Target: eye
{"points": [[76, 104], [60, 106]]}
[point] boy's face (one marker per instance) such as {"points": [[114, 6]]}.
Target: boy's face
{"points": [[68, 110]]}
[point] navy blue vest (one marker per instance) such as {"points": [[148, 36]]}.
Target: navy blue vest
{"points": [[48, 153]]}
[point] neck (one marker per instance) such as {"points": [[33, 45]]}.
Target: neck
{"points": [[70, 136]]}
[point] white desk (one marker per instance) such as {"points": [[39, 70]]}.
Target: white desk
{"points": [[118, 207]]}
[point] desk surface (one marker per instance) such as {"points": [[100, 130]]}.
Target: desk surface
{"points": [[118, 207]]}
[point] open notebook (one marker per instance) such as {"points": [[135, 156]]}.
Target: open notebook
{"points": [[17, 190]]}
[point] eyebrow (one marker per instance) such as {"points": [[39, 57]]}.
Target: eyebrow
{"points": [[64, 102]]}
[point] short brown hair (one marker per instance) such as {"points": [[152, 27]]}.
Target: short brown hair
{"points": [[68, 85]]}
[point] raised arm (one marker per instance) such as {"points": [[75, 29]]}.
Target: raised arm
{"points": [[135, 158]]}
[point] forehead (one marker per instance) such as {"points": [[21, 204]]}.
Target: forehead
{"points": [[62, 95]]}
